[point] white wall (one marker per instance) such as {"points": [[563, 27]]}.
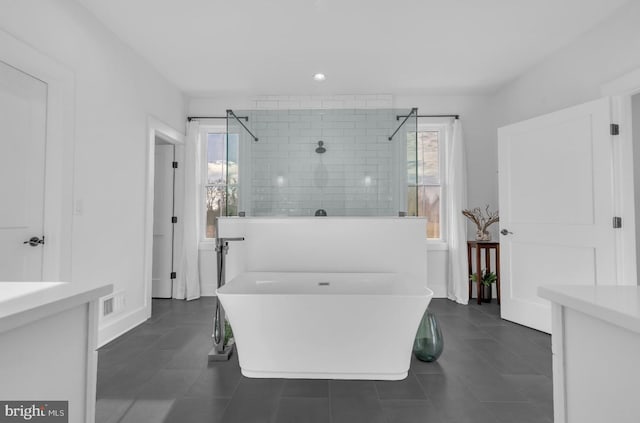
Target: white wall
{"points": [[115, 92], [436, 270], [575, 73]]}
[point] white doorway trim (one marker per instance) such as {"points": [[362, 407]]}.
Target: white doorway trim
{"points": [[621, 90], [156, 129], [58, 201]]}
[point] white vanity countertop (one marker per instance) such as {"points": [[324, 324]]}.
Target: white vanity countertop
{"points": [[618, 305], [25, 302]]}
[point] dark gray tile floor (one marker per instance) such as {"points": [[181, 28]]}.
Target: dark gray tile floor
{"points": [[491, 371]]}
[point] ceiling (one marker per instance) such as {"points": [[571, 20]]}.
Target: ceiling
{"points": [[208, 47]]}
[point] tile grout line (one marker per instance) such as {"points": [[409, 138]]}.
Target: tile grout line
{"points": [[330, 401]]}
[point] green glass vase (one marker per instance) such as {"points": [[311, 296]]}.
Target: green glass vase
{"points": [[429, 343]]}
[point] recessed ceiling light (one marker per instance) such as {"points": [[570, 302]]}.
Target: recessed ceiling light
{"points": [[319, 77]]}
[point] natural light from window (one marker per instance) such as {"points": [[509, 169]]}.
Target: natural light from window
{"points": [[424, 179], [221, 185]]}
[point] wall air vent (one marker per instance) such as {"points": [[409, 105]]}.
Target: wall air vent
{"points": [[107, 306], [112, 304]]}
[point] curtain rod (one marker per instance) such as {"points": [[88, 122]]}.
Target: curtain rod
{"points": [[428, 116], [246, 118], [190, 118]]}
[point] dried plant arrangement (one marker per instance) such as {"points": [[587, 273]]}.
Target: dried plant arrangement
{"points": [[482, 220]]}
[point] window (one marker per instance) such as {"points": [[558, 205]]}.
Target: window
{"points": [[221, 185], [425, 154]]}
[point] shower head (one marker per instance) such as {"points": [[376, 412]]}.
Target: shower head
{"points": [[320, 148]]}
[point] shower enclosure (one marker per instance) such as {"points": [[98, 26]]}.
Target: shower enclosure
{"points": [[322, 162]]}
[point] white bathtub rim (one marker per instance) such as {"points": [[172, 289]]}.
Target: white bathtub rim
{"points": [[428, 294], [246, 281]]}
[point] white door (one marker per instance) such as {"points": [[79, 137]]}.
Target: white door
{"points": [[556, 199], [163, 228], [23, 110]]}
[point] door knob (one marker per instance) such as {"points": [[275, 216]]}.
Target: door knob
{"points": [[34, 241], [506, 232]]}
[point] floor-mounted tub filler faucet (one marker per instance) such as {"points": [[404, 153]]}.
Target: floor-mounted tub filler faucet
{"points": [[221, 352]]}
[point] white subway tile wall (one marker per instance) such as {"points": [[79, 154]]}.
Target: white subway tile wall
{"points": [[361, 173], [364, 101]]}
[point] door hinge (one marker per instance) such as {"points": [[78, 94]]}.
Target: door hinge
{"points": [[617, 222], [173, 275], [615, 129], [174, 165], [174, 219]]}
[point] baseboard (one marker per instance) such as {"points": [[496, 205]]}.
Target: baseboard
{"points": [[439, 291], [207, 290], [119, 326]]}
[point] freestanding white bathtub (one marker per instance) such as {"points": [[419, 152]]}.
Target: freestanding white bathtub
{"points": [[324, 325]]}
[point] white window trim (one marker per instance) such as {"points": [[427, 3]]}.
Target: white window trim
{"points": [[204, 130], [444, 129]]}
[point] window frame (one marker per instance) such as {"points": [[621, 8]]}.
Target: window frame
{"points": [[444, 131], [205, 130]]}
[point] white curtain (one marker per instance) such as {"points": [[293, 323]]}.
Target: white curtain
{"points": [[187, 284], [457, 277]]}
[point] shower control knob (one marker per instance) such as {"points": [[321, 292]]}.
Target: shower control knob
{"points": [[321, 149], [506, 232]]}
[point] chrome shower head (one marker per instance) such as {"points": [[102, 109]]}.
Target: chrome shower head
{"points": [[320, 148]]}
